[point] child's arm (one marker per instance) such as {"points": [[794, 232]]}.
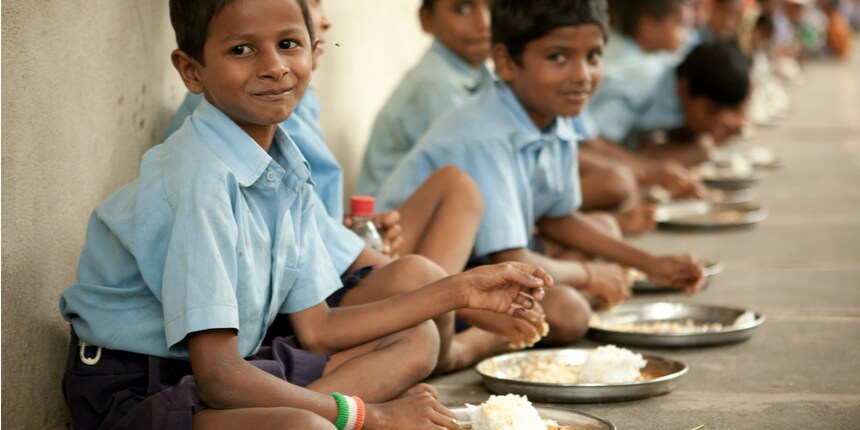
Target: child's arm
{"points": [[603, 280], [226, 381], [680, 272], [505, 288]]}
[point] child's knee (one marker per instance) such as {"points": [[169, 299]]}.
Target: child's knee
{"points": [[416, 271], [461, 184], [568, 315], [606, 223], [424, 350], [620, 183]]}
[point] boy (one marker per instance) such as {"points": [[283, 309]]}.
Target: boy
{"points": [[516, 142], [699, 102], [184, 269], [640, 51], [446, 205], [724, 22], [449, 73]]}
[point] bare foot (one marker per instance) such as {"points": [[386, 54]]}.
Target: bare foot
{"points": [[420, 388], [470, 347], [637, 220]]}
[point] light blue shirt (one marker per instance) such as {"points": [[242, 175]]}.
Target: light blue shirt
{"points": [[215, 233], [304, 129], [437, 84], [523, 174], [633, 96], [584, 126]]}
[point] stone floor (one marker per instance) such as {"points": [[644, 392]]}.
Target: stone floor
{"points": [[800, 267]]}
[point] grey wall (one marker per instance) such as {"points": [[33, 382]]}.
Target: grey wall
{"points": [[87, 87]]}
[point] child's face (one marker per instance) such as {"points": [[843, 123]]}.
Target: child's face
{"points": [[558, 73], [321, 26], [463, 26], [666, 34], [258, 62], [703, 116], [726, 19]]}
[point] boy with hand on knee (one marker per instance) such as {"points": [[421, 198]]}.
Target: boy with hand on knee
{"points": [[185, 269], [517, 142]]}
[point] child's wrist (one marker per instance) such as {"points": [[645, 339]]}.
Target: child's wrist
{"points": [[350, 412]]}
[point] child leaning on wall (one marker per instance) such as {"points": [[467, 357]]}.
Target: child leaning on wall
{"points": [[184, 269], [446, 205], [517, 142], [450, 72]]}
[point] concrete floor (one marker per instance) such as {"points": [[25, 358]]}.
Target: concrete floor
{"points": [[800, 267]]}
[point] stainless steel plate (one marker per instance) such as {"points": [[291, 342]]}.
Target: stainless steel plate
{"points": [[734, 329], [564, 417], [712, 268], [758, 156], [706, 215], [734, 183], [495, 373], [715, 195]]}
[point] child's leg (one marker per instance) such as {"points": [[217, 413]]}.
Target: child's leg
{"points": [[261, 418], [412, 272], [383, 369], [612, 186], [567, 313], [602, 221], [440, 219]]}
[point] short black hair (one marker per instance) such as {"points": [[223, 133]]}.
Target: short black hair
{"points": [[428, 4], [718, 71], [630, 12], [190, 20], [515, 23]]}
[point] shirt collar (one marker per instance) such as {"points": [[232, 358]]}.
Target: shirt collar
{"points": [[469, 77], [235, 148], [526, 132]]}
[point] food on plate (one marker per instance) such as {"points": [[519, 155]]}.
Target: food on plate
{"points": [[509, 412], [605, 365]]}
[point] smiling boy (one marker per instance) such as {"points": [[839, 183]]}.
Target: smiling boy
{"points": [[185, 269], [517, 142]]}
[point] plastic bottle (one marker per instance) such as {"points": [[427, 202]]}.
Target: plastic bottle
{"points": [[361, 208]]}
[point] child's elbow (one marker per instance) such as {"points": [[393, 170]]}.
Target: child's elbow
{"points": [[211, 388]]}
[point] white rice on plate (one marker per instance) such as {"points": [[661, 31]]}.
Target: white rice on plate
{"points": [[611, 365], [508, 412]]}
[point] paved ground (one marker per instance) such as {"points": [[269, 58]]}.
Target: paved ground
{"points": [[800, 267]]}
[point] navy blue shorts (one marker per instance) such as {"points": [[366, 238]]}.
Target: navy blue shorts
{"points": [[349, 281], [124, 390]]}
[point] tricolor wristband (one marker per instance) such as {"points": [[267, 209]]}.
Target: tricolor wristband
{"points": [[350, 412], [343, 411]]}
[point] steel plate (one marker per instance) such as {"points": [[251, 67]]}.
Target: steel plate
{"points": [[706, 215], [492, 371], [712, 268], [667, 311]]}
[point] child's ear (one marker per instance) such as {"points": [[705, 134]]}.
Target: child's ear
{"points": [[424, 15], [189, 70], [506, 66]]}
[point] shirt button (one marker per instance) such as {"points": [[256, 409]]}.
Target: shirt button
{"points": [[271, 176]]}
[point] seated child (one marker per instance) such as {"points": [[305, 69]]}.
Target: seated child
{"points": [[446, 205], [641, 48], [184, 270], [516, 142], [724, 22], [644, 94], [449, 73]]}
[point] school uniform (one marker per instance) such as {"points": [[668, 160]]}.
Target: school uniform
{"points": [[440, 81], [214, 234], [523, 173], [637, 93], [304, 129]]}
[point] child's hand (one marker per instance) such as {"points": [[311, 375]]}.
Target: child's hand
{"points": [[681, 272], [388, 224], [519, 332], [420, 411], [607, 281], [677, 179], [510, 288]]}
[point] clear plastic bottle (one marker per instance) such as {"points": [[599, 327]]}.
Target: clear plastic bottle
{"points": [[361, 208]]}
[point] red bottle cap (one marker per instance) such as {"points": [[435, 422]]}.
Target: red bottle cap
{"points": [[361, 205]]}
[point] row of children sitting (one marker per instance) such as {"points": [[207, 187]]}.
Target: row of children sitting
{"points": [[208, 292]]}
